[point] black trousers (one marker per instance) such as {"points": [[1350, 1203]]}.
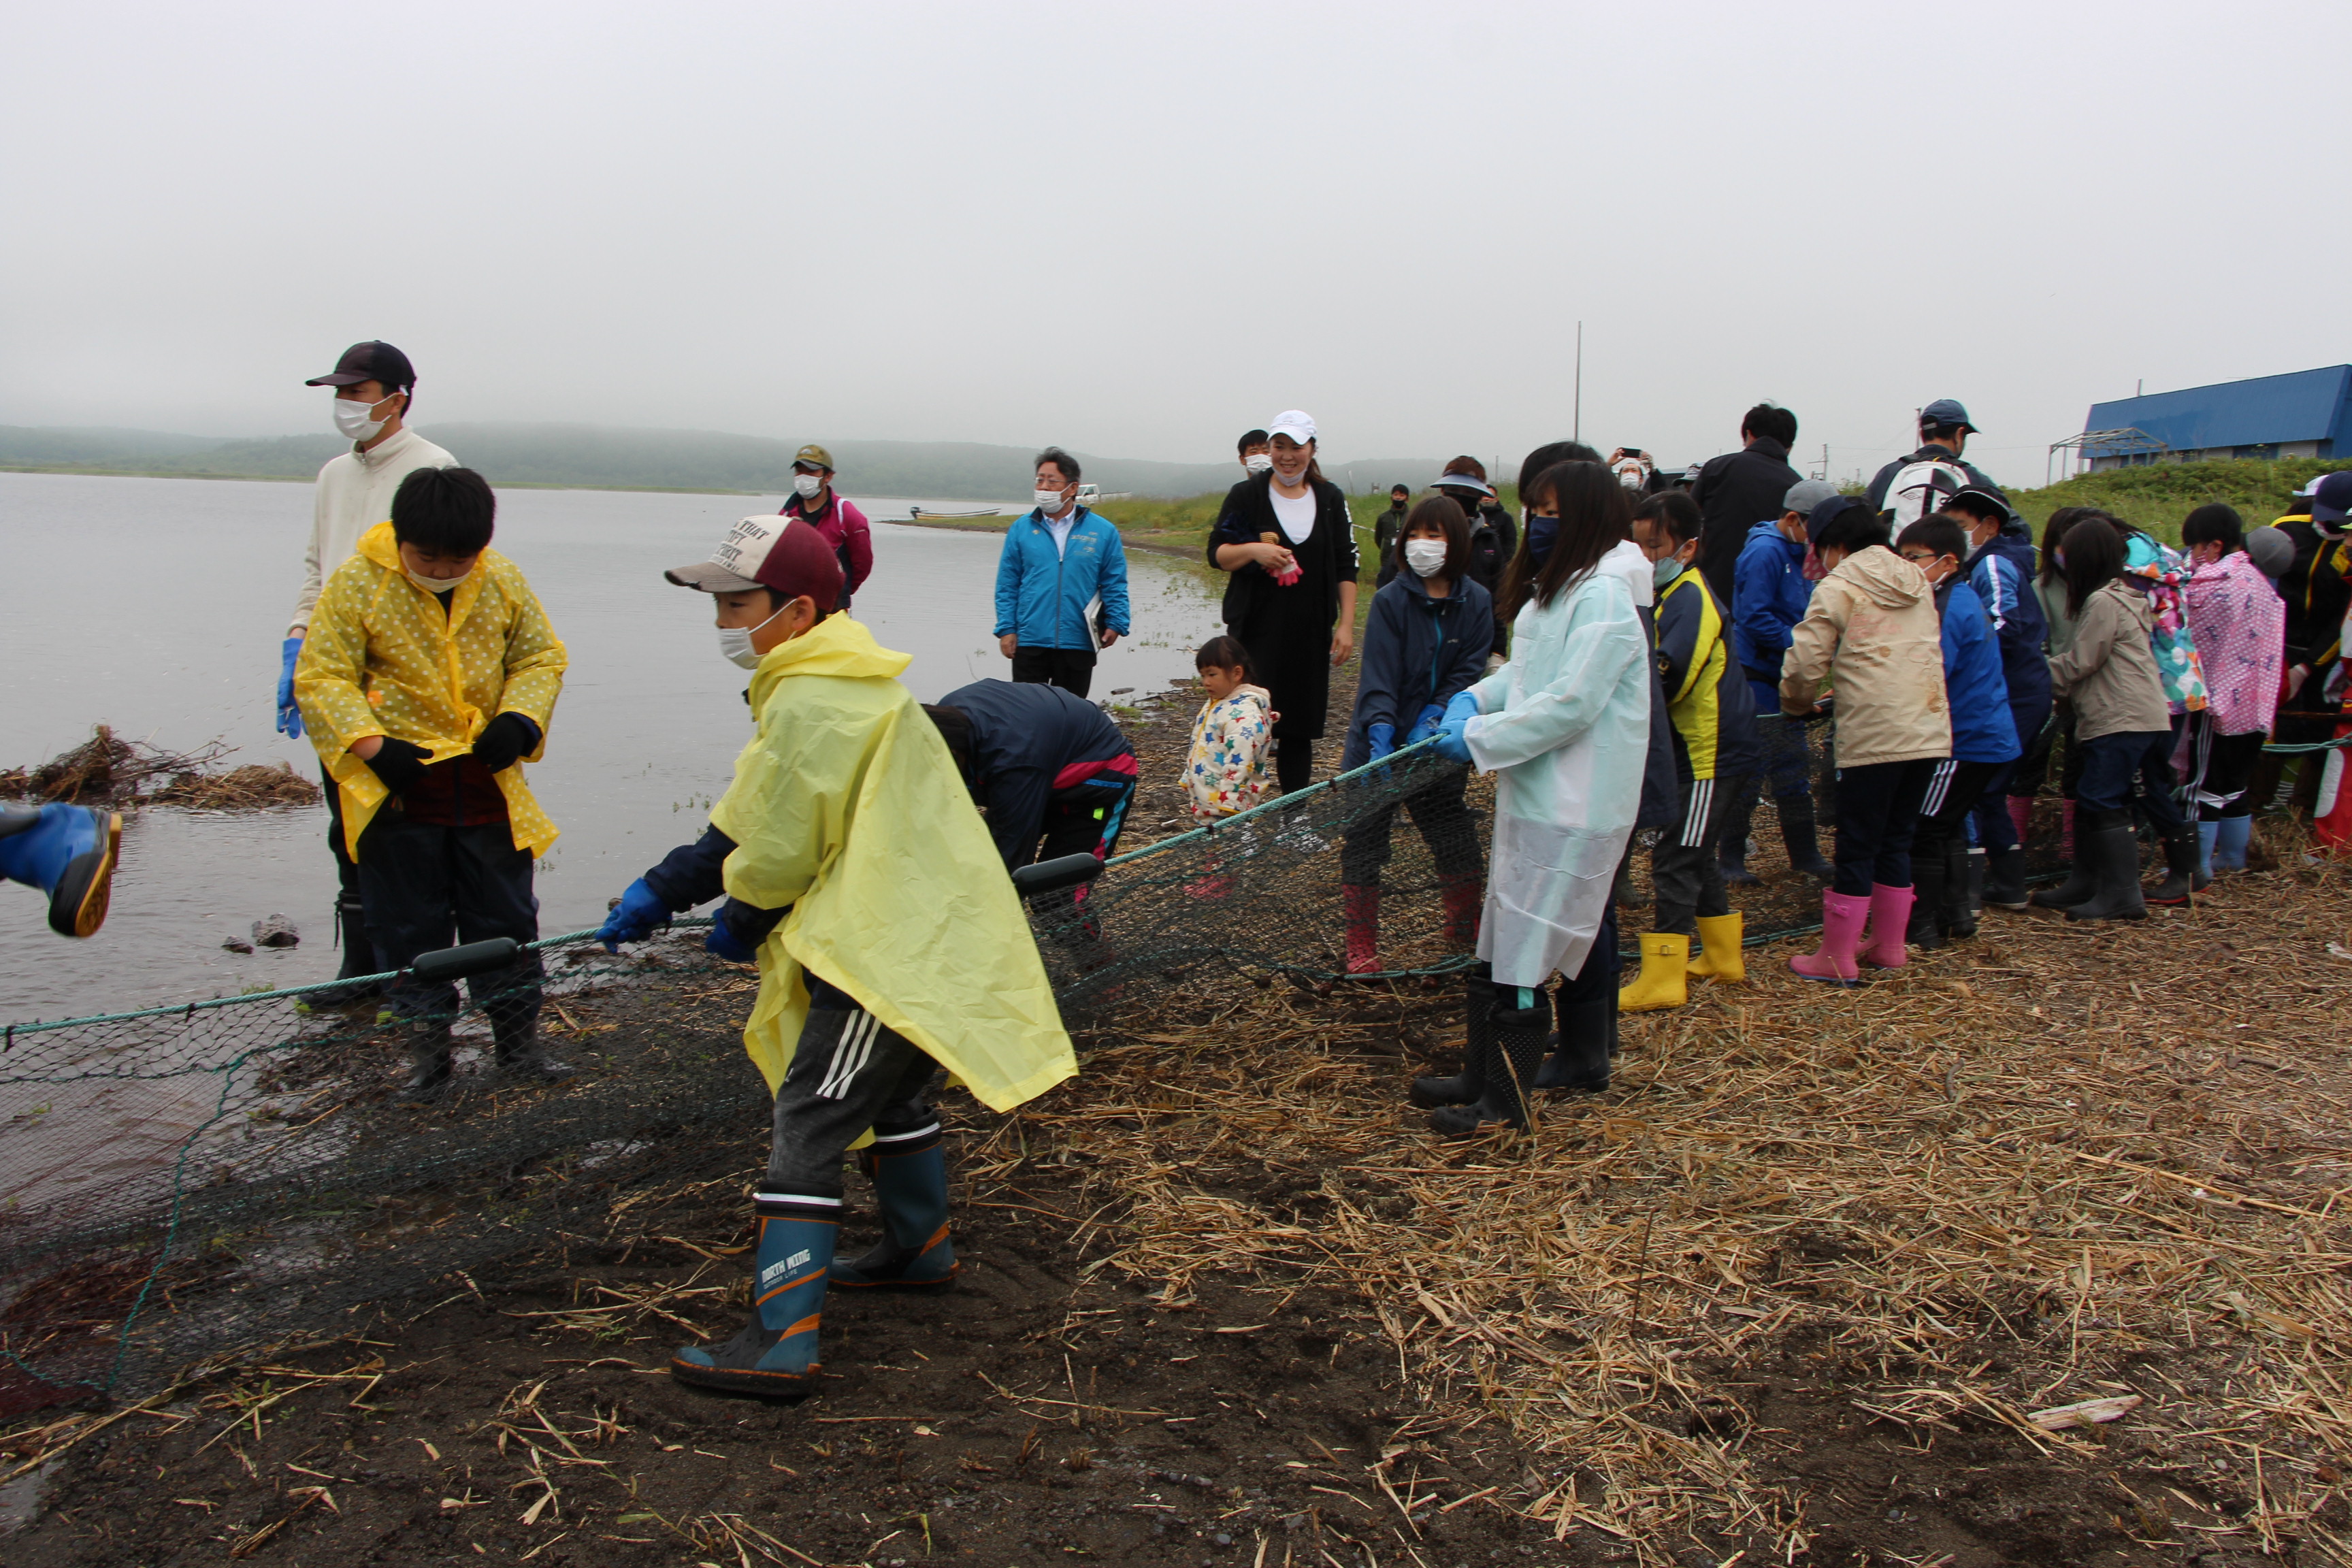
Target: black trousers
{"points": [[851, 1072], [1085, 819], [429, 887], [1877, 812], [1439, 814], [1071, 668], [1953, 791], [1293, 762], [1685, 875], [2230, 763]]}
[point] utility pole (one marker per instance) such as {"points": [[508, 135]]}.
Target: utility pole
{"points": [[1577, 434]]}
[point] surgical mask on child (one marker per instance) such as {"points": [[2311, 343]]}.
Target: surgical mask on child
{"points": [[1425, 556], [1258, 463], [1541, 532], [808, 485], [438, 584], [735, 643], [354, 418], [1664, 570]]}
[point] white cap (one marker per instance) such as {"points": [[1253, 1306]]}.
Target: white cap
{"points": [[1295, 423]]}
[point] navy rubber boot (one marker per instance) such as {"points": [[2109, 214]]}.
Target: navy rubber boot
{"points": [[67, 852], [775, 1355], [911, 1186]]}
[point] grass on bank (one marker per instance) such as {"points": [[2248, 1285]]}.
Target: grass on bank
{"points": [[2159, 495]]}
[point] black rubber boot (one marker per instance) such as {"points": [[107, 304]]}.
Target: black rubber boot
{"points": [[1731, 843], [2081, 881], [2113, 856], [2179, 869], [358, 953], [1964, 880], [1587, 1040], [1928, 875], [429, 1080], [1628, 896], [1521, 1035], [2004, 883], [1478, 1044], [1797, 834], [520, 1055]]}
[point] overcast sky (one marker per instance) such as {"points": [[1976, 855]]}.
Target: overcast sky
{"points": [[1137, 229]]}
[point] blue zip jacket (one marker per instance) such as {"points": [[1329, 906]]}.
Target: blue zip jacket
{"points": [[1974, 691], [2001, 573], [1417, 650], [1041, 596], [1769, 596]]}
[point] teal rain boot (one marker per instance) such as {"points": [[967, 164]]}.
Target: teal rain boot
{"points": [[774, 1357], [67, 852], [910, 1185], [2209, 834]]}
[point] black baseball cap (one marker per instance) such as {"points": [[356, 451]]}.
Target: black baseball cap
{"points": [[1828, 511], [369, 361]]}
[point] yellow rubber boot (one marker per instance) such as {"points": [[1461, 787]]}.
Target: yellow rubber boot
{"points": [[1660, 982], [1720, 956]]}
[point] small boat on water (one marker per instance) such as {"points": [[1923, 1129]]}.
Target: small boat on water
{"points": [[916, 514]]}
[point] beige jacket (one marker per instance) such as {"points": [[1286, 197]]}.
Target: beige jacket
{"points": [[1872, 633], [2108, 673], [354, 494]]}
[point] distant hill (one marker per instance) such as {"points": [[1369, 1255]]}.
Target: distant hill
{"points": [[2159, 495], [594, 458]]}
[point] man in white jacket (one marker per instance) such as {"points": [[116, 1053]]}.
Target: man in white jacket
{"points": [[373, 384]]}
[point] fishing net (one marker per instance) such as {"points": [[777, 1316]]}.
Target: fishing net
{"points": [[180, 1182]]}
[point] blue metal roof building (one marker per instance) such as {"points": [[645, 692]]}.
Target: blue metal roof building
{"points": [[2307, 413]]}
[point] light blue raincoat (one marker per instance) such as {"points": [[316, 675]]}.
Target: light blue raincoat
{"points": [[1566, 722]]}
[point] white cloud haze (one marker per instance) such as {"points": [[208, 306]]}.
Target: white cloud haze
{"points": [[1135, 230]]}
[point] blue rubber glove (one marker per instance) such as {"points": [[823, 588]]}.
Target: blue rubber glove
{"points": [[635, 917], [289, 716], [1426, 725], [1383, 740], [1451, 740], [1463, 706], [722, 943]]}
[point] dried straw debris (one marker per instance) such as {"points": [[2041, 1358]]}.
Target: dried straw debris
{"points": [[108, 771]]}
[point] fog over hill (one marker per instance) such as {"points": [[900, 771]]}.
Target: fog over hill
{"points": [[591, 456]]}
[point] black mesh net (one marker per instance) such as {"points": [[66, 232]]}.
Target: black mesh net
{"points": [[179, 1181]]}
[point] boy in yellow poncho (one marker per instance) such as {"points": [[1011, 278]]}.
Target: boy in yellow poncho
{"points": [[429, 673], [888, 937]]}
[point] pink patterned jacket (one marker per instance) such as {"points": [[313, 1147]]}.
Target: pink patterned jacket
{"points": [[2239, 624]]}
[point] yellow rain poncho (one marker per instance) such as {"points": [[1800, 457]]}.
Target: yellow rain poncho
{"points": [[382, 659], [847, 807]]}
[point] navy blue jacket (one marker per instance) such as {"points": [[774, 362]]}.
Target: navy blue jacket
{"points": [[1029, 743], [2001, 573], [1974, 691], [1768, 598], [1042, 594], [1417, 650]]}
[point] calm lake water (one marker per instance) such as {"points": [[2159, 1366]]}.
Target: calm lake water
{"points": [[157, 606]]}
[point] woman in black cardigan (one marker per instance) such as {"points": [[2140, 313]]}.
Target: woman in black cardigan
{"points": [[1287, 540]]}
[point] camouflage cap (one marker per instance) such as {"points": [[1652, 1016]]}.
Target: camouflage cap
{"points": [[813, 453]]}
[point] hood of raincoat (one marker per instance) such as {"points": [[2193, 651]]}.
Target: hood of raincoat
{"points": [[1884, 578], [382, 658], [1873, 634], [847, 807]]}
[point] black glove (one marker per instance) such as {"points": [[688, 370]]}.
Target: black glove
{"points": [[503, 740], [399, 763]]}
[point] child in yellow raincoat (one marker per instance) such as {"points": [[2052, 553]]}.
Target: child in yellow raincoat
{"points": [[430, 672], [888, 934]]}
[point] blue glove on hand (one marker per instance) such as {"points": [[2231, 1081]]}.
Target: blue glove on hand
{"points": [[635, 917], [1383, 740], [289, 716], [1451, 740], [722, 943], [1463, 706], [1426, 725]]}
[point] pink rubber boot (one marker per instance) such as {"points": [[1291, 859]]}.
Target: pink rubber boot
{"points": [[2021, 814], [1834, 960], [1890, 917]]}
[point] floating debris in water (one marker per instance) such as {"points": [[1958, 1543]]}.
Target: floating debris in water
{"points": [[107, 770]]}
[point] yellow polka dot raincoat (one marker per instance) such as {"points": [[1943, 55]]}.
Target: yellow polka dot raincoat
{"points": [[382, 659]]}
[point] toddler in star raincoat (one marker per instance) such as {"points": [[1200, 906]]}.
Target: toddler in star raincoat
{"points": [[1225, 773]]}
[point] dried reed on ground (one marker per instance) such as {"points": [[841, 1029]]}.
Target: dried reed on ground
{"points": [[107, 770], [2051, 1164]]}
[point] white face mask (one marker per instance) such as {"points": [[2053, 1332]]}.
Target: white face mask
{"points": [[1425, 556], [1048, 501], [352, 419], [438, 584], [735, 643], [1257, 462], [808, 485]]}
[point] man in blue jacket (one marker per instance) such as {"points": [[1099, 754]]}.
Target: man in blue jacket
{"points": [[2000, 570], [1769, 595], [1057, 560], [1984, 741]]}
